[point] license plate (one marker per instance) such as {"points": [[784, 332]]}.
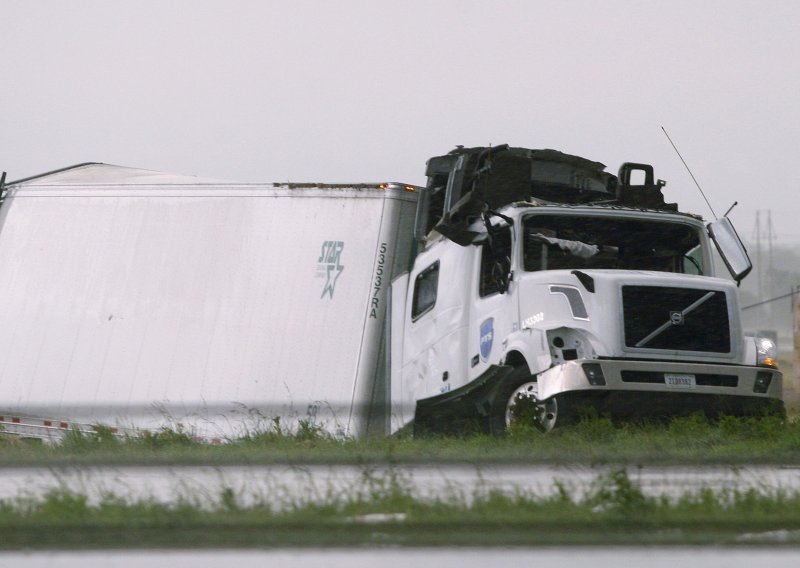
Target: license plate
{"points": [[679, 381]]}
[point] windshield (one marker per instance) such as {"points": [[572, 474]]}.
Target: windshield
{"points": [[553, 242]]}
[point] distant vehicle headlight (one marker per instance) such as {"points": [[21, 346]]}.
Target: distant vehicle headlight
{"points": [[766, 352]]}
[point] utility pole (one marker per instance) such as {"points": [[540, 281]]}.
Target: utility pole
{"points": [[757, 236], [770, 237], [764, 230], [796, 329]]}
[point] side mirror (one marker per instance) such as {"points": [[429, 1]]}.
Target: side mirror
{"points": [[730, 248]]}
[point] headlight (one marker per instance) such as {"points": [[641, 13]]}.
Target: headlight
{"points": [[766, 352]]}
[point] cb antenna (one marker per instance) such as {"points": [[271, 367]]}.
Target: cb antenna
{"points": [[690, 173]]}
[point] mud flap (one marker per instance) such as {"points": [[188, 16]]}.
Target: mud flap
{"points": [[465, 410]]}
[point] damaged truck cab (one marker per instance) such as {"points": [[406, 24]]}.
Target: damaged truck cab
{"points": [[546, 286]]}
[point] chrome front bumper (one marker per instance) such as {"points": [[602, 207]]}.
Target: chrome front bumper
{"points": [[643, 387]]}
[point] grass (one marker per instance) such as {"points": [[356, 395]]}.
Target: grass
{"points": [[613, 511], [594, 440]]}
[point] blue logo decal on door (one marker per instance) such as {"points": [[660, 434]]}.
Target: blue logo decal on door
{"points": [[487, 335]]}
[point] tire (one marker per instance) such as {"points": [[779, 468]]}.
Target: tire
{"points": [[516, 400]]}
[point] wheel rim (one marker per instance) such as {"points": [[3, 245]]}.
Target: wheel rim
{"points": [[524, 406]]}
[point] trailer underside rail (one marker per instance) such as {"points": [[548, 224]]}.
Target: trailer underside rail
{"points": [[55, 430]]}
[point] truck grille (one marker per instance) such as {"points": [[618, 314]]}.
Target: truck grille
{"points": [[677, 319]]}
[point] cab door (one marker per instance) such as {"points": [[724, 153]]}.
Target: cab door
{"points": [[494, 315], [436, 325]]}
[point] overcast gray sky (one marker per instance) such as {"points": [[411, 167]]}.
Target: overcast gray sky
{"points": [[368, 90]]}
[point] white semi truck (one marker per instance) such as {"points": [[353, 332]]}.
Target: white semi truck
{"points": [[525, 285]]}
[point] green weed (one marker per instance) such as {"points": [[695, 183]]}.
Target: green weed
{"points": [[594, 439], [615, 493], [166, 437]]}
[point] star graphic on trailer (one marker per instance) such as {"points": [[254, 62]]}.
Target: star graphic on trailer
{"points": [[331, 283]]}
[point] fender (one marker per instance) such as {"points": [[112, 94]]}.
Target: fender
{"points": [[532, 344]]}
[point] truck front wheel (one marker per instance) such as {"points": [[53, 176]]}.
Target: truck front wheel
{"points": [[516, 401]]}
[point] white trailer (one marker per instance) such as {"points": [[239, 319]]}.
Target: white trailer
{"points": [[130, 297]]}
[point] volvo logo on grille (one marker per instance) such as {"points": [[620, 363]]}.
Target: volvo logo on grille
{"points": [[676, 318]]}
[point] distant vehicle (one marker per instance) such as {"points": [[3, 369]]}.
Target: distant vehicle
{"points": [[526, 285]]}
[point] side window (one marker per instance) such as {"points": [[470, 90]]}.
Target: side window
{"points": [[495, 263], [425, 287]]}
